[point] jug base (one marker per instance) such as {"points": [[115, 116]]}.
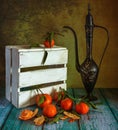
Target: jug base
{"points": [[90, 97]]}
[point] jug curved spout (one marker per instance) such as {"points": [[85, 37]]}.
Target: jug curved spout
{"points": [[77, 64]]}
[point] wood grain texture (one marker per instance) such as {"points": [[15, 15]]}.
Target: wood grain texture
{"points": [[35, 56], [8, 73], [42, 76], [5, 108], [94, 120], [111, 97]]}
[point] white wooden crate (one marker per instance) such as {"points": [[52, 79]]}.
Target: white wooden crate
{"points": [[27, 68]]}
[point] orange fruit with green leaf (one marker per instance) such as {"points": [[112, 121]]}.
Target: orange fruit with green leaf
{"points": [[58, 96], [43, 99]]}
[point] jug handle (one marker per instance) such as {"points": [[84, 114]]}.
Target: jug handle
{"points": [[107, 42]]}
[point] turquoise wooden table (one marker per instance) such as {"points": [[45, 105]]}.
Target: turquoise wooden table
{"points": [[107, 119]]}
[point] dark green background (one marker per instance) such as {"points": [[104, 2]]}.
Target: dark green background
{"points": [[27, 21]]}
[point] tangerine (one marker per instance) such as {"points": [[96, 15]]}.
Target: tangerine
{"points": [[43, 99], [66, 104], [49, 44], [50, 110], [82, 108], [57, 96]]}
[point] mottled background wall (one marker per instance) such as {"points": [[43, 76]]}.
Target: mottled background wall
{"points": [[27, 21]]}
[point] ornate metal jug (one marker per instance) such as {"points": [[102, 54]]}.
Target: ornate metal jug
{"points": [[88, 69]]}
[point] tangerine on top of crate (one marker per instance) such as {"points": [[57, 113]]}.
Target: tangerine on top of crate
{"points": [[21, 57]]}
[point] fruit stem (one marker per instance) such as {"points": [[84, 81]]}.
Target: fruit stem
{"points": [[75, 99], [39, 90]]}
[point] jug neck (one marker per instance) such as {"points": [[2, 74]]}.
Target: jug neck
{"points": [[89, 33], [89, 49]]}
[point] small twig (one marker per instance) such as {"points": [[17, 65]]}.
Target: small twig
{"points": [[40, 91]]}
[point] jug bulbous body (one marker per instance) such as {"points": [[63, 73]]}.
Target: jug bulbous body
{"points": [[89, 73]]}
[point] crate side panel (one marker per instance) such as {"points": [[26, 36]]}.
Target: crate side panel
{"points": [[8, 72], [27, 98], [42, 76], [15, 76]]}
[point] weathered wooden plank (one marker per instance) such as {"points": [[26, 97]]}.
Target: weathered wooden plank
{"points": [[13, 123], [60, 57], [111, 97], [28, 125], [31, 78], [15, 75], [62, 125], [11, 120], [35, 56], [8, 72], [5, 108], [98, 120]]}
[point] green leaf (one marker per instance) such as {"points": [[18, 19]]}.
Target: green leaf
{"points": [[60, 111], [70, 96], [59, 96], [41, 100], [92, 105], [74, 112], [56, 118]]}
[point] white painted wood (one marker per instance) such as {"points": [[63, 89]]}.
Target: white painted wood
{"points": [[31, 58], [42, 76], [58, 57], [18, 57], [35, 58], [15, 76], [27, 98], [8, 73]]}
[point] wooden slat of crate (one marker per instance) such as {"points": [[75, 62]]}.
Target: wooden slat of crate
{"points": [[15, 76], [42, 76], [60, 57], [8, 73]]}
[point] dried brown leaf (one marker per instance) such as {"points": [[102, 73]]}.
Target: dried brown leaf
{"points": [[39, 120], [63, 117], [70, 115], [35, 112]]}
